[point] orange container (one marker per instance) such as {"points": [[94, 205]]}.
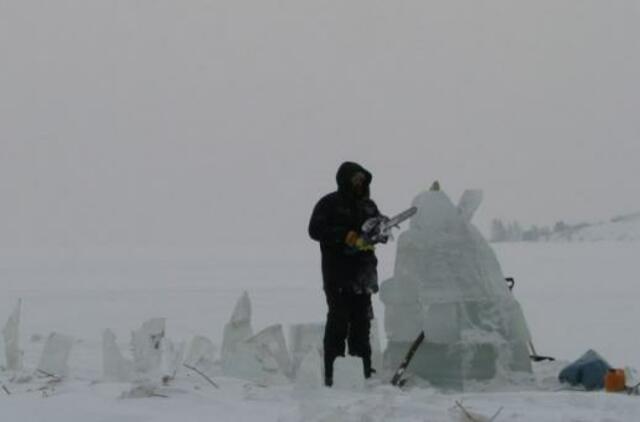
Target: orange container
{"points": [[614, 380]]}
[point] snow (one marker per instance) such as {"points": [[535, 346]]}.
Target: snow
{"points": [[348, 374], [448, 283], [243, 402], [576, 296]]}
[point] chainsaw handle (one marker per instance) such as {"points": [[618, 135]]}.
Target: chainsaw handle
{"points": [[510, 282]]}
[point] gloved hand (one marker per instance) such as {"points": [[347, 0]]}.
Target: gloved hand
{"points": [[373, 289], [385, 238], [354, 240]]}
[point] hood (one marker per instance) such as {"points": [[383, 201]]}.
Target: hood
{"points": [[346, 171]]}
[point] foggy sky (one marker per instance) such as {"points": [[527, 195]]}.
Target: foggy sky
{"points": [[194, 123]]}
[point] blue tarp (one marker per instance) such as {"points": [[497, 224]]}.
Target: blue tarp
{"points": [[588, 371]]}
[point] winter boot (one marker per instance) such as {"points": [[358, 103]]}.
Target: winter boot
{"points": [[328, 370], [366, 366]]}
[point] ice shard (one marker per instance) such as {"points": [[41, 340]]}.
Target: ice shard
{"points": [[55, 355], [11, 335], [310, 373], [172, 358], [147, 345], [304, 338], [115, 367], [237, 329], [262, 358], [200, 353]]}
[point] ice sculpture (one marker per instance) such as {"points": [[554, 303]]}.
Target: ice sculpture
{"points": [[448, 282]]}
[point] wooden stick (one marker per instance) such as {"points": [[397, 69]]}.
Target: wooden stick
{"points": [[202, 374], [6, 390], [466, 413], [48, 374], [493, 418], [471, 418]]}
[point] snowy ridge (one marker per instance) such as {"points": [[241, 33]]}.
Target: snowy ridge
{"points": [[624, 229]]}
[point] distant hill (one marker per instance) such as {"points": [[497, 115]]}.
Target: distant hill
{"points": [[627, 218], [621, 228]]}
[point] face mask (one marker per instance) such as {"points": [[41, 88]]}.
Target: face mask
{"points": [[358, 183]]}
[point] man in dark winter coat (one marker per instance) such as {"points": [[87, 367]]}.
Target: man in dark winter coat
{"points": [[348, 266]]}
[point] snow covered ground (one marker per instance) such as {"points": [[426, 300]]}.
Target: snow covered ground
{"points": [[575, 296]]}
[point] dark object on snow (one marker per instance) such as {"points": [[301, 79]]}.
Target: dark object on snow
{"points": [[588, 371], [534, 356], [349, 271], [349, 318], [396, 380], [633, 390], [510, 282]]}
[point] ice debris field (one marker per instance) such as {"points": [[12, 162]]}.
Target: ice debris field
{"points": [[197, 336]]}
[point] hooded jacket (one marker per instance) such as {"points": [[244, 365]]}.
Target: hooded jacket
{"points": [[335, 215]]}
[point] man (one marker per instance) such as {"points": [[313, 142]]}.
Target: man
{"points": [[348, 266]]}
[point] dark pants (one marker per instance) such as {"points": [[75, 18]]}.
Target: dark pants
{"points": [[348, 319]]}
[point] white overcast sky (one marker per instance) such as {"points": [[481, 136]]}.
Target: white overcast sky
{"points": [[193, 123]]}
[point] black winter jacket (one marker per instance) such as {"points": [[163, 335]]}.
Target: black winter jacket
{"points": [[333, 217]]}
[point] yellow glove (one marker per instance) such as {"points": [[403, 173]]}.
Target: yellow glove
{"points": [[355, 241]]}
